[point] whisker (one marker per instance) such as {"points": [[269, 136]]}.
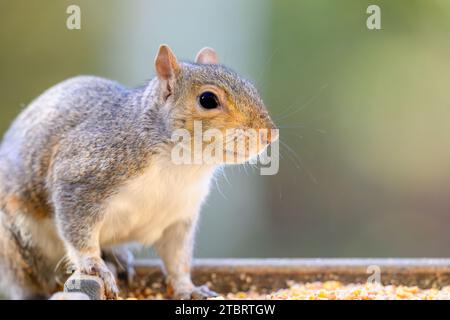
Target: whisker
{"points": [[300, 162], [303, 106], [220, 190], [264, 68], [290, 157], [291, 126]]}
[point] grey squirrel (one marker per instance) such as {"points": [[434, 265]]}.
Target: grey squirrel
{"points": [[86, 166]]}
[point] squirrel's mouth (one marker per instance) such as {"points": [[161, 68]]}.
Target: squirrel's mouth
{"points": [[236, 157]]}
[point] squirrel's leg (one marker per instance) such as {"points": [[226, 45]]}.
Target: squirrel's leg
{"points": [[122, 259], [175, 249], [87, 260], [82, 243]]}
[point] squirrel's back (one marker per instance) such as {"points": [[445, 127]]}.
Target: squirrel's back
{"points": [[28, 146]]}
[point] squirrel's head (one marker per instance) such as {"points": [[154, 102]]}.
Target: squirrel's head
{"points": [[210, 97]]}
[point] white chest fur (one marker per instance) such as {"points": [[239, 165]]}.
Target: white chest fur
{"points": [[145, 206]]}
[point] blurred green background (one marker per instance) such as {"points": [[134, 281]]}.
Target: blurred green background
{"points": [[364, 114]]}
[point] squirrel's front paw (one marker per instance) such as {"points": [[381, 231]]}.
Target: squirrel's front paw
{"points": [[97, 267], [194, 293]]}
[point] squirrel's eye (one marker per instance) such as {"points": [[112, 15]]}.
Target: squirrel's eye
{"points": [[208, 100]]}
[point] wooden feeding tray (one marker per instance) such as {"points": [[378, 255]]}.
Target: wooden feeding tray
{"points": [[265, 275]]}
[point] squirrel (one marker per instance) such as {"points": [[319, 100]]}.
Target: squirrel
{"points": [[86, 167]]}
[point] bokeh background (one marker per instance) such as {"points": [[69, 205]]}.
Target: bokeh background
{"points": [[364, 114]]}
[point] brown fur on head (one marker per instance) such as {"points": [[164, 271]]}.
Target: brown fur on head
{"points": [[182, 85]]}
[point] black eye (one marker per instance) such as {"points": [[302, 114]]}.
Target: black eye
{"points": [[208, 100]]}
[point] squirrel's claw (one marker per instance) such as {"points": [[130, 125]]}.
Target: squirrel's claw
{"points": [[197, 293], [122, 260]]}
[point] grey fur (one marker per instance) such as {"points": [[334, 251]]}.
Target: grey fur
{"points": [[75, 145]]}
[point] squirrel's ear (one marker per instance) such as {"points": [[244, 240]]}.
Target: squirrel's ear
{"points": [[166, 63], [206, 56]]}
